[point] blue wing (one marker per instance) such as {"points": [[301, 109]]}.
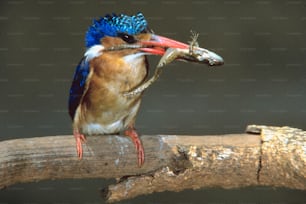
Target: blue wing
{"points": [[78, 86]]}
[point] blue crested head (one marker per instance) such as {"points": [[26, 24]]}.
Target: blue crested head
{"points": [[111, 25]]}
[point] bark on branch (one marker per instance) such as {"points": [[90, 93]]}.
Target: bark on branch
{"points": [[273, 156]]}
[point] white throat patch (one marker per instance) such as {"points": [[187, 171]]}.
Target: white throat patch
{"points": [[132, 57], [134, 60], [94, 51]]}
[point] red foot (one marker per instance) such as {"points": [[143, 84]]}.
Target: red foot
{"points": [[131, 132], [79, 138]]}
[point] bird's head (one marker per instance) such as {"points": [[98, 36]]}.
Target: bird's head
{"points": [[114, 31]]}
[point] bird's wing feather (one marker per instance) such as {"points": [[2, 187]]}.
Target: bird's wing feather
{"points": [[78, 86]]}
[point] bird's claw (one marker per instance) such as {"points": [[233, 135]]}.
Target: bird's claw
{"points": [[79, 138], [131, 132]]}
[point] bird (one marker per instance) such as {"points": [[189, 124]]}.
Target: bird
{"points": [[115, 62]]}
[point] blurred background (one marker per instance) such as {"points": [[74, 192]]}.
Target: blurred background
{"points": [[263, 81]]}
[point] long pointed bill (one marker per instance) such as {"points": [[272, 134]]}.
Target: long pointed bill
{"points": [[158, 45]]}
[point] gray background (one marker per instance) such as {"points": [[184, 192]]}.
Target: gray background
{"points": [[263, 81]]}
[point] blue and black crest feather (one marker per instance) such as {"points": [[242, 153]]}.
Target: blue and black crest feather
{"points": [[111, 25]]}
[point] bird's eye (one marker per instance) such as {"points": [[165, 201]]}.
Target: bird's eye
{"points": [[127, 38]]}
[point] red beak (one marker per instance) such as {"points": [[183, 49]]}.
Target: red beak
{"points": [[158, 45]]}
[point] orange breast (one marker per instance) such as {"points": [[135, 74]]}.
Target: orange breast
{"points": [[104, 103]]}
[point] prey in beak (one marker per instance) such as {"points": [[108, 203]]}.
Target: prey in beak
{"points": [[171, 50], [160, 45]]}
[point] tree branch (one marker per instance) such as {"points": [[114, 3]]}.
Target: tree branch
{"points": [[276, 157]]}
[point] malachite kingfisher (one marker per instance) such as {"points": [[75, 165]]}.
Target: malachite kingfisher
{"points": [[114, 63]]}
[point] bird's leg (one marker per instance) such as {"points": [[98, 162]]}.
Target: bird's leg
{"points": [[79, 139], [131, 132]]}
